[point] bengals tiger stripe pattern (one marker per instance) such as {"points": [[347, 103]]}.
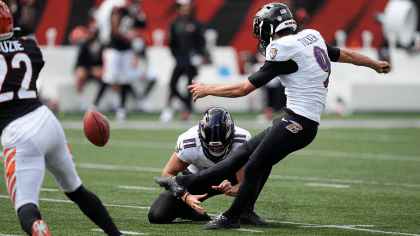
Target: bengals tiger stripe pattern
{"points": [[10, 167]]}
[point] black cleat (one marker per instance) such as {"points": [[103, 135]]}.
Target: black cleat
{"points": [[221, 222], [251, 218], [170, 184]]}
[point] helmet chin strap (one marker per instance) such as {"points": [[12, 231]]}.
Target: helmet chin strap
{"points": [[271, 33]]}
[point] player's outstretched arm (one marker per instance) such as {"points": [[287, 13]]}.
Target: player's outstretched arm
{"points": [[348, 56], [200, 90]]}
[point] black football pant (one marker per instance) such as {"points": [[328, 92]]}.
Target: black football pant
{"points": [[289, 132], [179, 70]]}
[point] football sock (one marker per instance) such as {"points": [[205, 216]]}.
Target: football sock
{"points": [[149, 87], [27, 215], [93, 208], [101, 92]]}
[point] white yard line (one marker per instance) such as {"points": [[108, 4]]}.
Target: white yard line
{"points": [[158, 170], [353, 227], [124, 232], [350, 181], [68, 201], [137, 188], [327, 185], [49, 190], [303, 152], [306, 225]]}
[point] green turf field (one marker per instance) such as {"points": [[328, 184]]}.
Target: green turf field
{"points": [[349, 181]]}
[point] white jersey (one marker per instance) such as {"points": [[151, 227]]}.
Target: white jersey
{"points": [[190, 150], [306, 89]]}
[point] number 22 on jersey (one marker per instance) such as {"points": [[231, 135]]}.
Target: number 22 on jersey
{"points": [[23, 92], [323, 62]]}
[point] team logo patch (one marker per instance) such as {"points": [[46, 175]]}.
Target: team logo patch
{"points": [[273, 53], [294, 127]]}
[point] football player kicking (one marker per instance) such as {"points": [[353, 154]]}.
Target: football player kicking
{"points": [[33, 139], [202, 146], [303, 63]]}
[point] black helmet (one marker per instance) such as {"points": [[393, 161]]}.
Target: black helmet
{"points": [[272, 18], [216, 129]]}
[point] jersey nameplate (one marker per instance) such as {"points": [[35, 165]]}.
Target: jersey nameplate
{"points": [[308, 40], [10, 46]]}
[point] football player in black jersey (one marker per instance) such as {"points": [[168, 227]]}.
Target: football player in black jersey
{"points": [[303, 63], [32, 137], [121, 56]]}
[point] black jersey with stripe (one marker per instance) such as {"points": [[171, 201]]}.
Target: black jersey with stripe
{"points": [[20, 64]]}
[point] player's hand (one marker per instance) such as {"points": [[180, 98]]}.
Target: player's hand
{"points": [[226, 188], [194, 203], [383, 67], [199, 90]]}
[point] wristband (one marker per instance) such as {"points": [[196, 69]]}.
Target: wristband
{"points": [[185, 199]]}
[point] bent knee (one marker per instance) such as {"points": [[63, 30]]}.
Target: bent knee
{"points": [[160, 217]]}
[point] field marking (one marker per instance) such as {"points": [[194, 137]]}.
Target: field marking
{"points": [[351, 227], [9, 235], [49, 189], [304, 152], [113, 167], [125, 143], [353, 155], [136, 187], [344, 181], [366, 137], [68, 201], [124, 232], [250, 230], [327, 185], [159, 170]]}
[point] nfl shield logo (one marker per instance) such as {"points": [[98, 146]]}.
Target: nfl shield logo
{"points": [[279, 18], [273, 53]]}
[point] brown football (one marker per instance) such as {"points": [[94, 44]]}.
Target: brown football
{"points": [[96, 127]]}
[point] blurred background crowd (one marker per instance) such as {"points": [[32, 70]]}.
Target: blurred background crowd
{"points": [[140, 55]]}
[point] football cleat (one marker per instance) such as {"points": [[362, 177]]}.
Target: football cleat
{"points": [[39, 228], [251, 218], [222, 222], [170, 184]]}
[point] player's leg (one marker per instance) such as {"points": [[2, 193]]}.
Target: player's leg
{"points": [[166, 208], [151, 79], [111, 59], [82, 76], [24, 169], [249, 217], [59, 161], [178, 72], [284, 137]]}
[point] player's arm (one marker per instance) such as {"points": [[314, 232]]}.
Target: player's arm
{"points": [[174, 166], [355, 58], [267, 72]]}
